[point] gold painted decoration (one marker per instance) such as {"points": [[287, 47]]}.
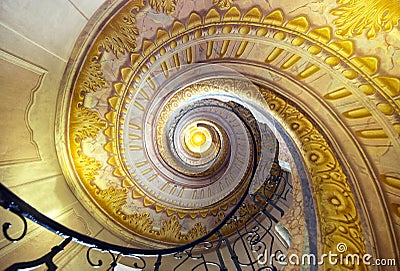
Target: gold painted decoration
{"points": [[85, 124], [223, 4], [356, 17], [391, 180], [88, 168], [120, 34], [396, 209], [167, 6], [290, 50], [93, 76], [338, 216]]}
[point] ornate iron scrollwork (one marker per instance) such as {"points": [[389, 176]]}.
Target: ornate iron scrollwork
{"points": [[251, 234], [100, 262], [249, 240], [8, 225]]}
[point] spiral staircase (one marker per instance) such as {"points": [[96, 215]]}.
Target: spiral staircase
{"points": [[199, 135]]}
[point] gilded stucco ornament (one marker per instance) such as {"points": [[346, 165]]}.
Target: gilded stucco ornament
{"points": [[118, 37], [167, 6], [223, 4], [355, 17], [338, 215], [304, 53]]}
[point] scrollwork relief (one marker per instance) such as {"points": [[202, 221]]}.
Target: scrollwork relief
{"points": [[338, 216]]}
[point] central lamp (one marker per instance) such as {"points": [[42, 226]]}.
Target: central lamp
{"points": [[197, 139]]}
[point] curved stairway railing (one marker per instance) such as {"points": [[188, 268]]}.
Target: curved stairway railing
{"points": [[249, 245], [257, 226]]}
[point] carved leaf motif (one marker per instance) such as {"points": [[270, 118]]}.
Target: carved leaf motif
{"points": [[170, 230], [120, 34], [196, 232], [85, 123], [141, 222], [93, 75], [113, 198], [333, 195], [167, 6], [356, 17], [223, 4], [87, 167], [157, 4]]}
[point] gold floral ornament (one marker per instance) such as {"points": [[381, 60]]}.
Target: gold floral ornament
{"points": [[120, 34], [167, 6], [335, 203], [356, 17], [223, 4]]}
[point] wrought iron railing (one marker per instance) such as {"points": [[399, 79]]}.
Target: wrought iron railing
{"points": [[249, 241], [252, 237]]}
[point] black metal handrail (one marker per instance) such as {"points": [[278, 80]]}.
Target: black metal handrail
{"points": [[13, 203]]}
